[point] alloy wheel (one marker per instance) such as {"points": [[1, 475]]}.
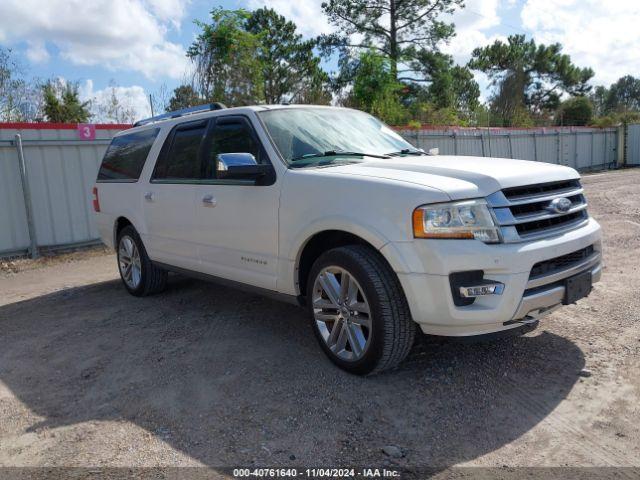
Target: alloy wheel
{"points": [[129, 262], [342, 313]]}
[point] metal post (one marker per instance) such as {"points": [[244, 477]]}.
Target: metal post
{"points": [[33, 248], [575, 151], [535, 147], [606, 150], [621, 149], [510, 145]]}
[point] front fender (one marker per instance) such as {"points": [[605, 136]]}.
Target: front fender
{"points": [[340, 223], [289, 266]]}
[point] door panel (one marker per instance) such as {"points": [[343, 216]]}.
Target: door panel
{"points": [[238, 236], [170, 216], [237, 225], [169, 200]]}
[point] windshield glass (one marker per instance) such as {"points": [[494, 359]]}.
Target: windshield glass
{"points": [[306, 135]]}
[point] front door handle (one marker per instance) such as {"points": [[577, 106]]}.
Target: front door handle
{"points": [[148, 196], [209, 201]]}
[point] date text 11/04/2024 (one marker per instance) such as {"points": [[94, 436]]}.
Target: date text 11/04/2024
{"points": [[315, 473]]}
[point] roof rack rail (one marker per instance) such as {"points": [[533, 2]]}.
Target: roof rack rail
{"points": [[181, 113]]}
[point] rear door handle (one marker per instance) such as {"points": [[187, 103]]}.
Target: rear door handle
{"points": [[209, 201], [148, 196]]}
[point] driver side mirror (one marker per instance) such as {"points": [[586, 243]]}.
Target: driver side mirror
{"points": [[226, 160], [243, 166]]}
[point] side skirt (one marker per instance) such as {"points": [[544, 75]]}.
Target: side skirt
{"points": [[281, 297]]}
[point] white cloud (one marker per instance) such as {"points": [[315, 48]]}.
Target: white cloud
{"points": [[471, 23], [169, 10], [133, 100], [477, 15], [37, 52], [306, 14], [596, 34], [116, 34]]}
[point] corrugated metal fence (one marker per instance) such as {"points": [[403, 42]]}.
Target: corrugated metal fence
{"points": [[632, 153], [580, 148], [59, 169], [60, 165]]}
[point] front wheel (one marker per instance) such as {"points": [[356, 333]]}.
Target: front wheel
{"points": [[358, 310], [139, 275]]}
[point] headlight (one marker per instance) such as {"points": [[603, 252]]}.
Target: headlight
{"points": [[467, 219]]}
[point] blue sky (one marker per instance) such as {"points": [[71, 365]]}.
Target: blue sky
{"points": [[140, 44]]}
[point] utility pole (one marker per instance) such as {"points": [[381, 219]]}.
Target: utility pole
{"points": [[151, 104]]}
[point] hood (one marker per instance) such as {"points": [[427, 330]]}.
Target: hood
{"points": [[459, 177]]}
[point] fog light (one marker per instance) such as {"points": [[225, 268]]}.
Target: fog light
{"points": [[489, 288]]}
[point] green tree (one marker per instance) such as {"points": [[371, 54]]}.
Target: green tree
{"points": [[599, 100], [451, 86], [620, 103], [397, 29], [224, 55], [62, 103], [184, 96], [247, 57], [576, 111], [529, 76], [623, 95], [289, 68], [375, 90]]}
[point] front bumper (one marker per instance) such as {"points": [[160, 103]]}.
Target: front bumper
{"points": [[423, 267], [536, 304]]}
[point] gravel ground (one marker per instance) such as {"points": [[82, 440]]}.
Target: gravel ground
{"points": [[207, 376]]}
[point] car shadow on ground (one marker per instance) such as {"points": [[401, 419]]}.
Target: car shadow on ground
{"points": [[234, 379]]}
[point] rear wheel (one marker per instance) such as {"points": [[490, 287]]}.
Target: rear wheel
{"points": [[139, 275], [359, 312]]}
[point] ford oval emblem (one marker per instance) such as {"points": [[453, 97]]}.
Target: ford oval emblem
{"points": [[559, 205]]}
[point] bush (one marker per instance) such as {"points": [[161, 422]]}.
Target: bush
{"points": [[606, 121], [429, 114], [615, 119], [577, 111]]}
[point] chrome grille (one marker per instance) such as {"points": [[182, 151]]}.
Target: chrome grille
{"points": [[523, 213]]}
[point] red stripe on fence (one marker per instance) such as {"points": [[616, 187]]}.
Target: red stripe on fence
{"points": [[497, 129], [60, 126]]}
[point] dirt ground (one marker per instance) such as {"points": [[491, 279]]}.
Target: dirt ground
{"points": [[208, 376]]}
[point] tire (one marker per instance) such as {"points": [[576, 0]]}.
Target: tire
{"points": [[387, 329], [151, 279]]}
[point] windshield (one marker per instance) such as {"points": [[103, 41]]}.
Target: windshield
{"points": [[305, 136]]}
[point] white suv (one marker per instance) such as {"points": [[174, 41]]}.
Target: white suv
{"points": [[329, 208]]}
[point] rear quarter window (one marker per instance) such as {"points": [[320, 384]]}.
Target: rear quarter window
{"points": [[125, 157]]}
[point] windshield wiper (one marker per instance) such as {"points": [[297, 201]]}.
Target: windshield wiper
{"points": [[407, 151], [335, 153]]}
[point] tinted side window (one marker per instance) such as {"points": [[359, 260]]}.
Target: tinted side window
{"points": [[126, 155], [182, 160], [231, 137]]}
